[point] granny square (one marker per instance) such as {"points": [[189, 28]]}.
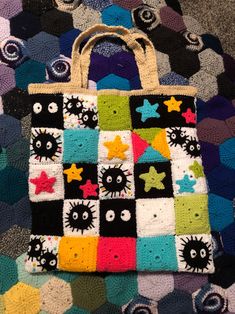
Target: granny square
{"points": [[156, 253], [114, 112], [151, 216], [46, 145], [80, 146], [47, 111], [153, 180], [116, 181], [81, 217], [117, 219], [191, 215], [47, 218], [46, 182], [80, 111], [116, 254], [115, 147], [80, 181]]}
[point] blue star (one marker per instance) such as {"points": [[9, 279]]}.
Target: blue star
{"points": [[186, 185], [148, 111]]}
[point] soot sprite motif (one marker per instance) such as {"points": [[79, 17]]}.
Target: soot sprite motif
{"points": [[117, 219], [192, 147], [47, 111], [81, 217], [45, 145], [80, 111], [195, 253], [42, 253], [48, 261], [116, 181], [35, 248], [176, 136]]}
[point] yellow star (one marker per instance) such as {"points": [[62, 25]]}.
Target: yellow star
{"points": [[116, 148], [153, 179], [173, 104], [73, 173]]}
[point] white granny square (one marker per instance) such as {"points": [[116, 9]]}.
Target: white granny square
{"points": [[80, 111], [40, 246], [46, 182], [155, 216], [183, 142], [81, 217], [116, 181], [188, 176], [46, 145], [194, 253], [115, 147]]}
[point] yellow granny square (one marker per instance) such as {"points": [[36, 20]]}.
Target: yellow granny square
{"points": [[77, 255]]}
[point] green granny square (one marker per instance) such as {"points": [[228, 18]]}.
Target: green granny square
{"points": [[114, 112], [191, 214]]}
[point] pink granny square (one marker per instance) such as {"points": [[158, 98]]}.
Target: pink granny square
{"points": [[116, 254]]}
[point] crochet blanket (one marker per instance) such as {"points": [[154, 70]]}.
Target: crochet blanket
{"points": [[35, 46]]}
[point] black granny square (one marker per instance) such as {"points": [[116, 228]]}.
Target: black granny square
{"points": [[117, 218], [47, 111], [85, 187], [47, 218], [150, 111], [153, 180]]}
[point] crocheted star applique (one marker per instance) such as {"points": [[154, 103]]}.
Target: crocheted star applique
{"points": [[116, 148], [172, 104], [89, 189], [197, 170], [43, 183], [189, 116], [73, 173], [148, 111], [186, 185], [153, 179]]}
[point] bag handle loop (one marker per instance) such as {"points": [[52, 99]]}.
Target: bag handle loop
{"points": [[146, 61]]}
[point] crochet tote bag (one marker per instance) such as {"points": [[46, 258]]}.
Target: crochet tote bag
{"points": [[116, 181]]}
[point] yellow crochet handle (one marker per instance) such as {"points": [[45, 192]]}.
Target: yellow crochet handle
{"points": [[145, 60]]}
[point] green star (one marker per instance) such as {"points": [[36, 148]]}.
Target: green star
{"points": [[197, 169], [153, 179]]}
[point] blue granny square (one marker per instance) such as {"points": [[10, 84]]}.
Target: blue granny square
{"points": [[81, 146], [154, 253]]}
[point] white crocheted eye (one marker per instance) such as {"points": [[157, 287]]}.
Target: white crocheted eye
{"points": [[38, 144], [109, 179], [203, 253], [110, 215], [37, 247], [53, 262], [37, 107], [85, 215], [43, 261], [49, 145], [75, 215], [193, 253], [119, 179], [125, 215], [52, 107]]}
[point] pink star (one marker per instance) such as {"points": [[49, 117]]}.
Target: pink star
{"points": [[189, 116], [43, 183], [89, 189]]}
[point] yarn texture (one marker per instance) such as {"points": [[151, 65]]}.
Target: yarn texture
{"points": [[116, 181]]}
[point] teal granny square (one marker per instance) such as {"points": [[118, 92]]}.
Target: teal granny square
{"points": [[81, 146], [156, 253]]}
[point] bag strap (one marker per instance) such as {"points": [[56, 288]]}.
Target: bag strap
{"points": [[78, 41], [146, 61]]}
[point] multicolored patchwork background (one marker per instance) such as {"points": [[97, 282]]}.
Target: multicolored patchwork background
{"points": [[188, 53], [119, 182]]}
